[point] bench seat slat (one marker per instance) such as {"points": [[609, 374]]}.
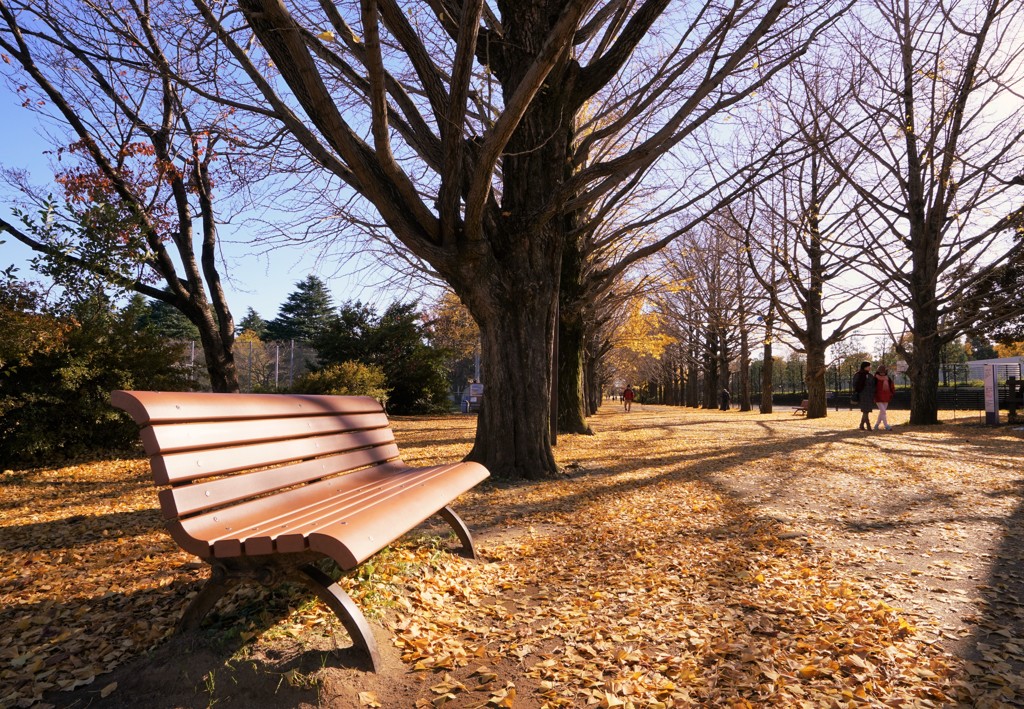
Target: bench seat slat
{"points": [[371, 510], [190, 499], [255, 517], [285, 512], [371, 528], [173, 437], [197, 534], [290, 534], [147, 407], [193, 465]]}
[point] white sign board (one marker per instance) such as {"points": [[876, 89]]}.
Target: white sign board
{"points": [[991, 396]]}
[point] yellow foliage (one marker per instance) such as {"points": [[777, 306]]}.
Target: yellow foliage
{"points": [[452, 326], [1014, 349], [643, 332]]}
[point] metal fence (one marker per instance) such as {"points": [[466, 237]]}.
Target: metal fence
{"points": [[261, 366], [966, 393], [959, 386]]}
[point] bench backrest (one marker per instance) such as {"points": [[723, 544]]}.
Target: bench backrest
{"points": [[215, 450]]}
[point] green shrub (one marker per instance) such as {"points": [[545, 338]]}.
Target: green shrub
{"points": [[345, 379], [416, 373], [55, 391]]}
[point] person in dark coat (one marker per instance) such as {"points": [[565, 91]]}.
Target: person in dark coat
{"points": [[864, 386], [724, 400]]}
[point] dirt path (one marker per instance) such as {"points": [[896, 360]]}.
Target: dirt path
{"points": [[685, 558]]}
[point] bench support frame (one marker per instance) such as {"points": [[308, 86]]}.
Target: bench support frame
{"points": [[272, 570], [345, 608], [461, 531]]}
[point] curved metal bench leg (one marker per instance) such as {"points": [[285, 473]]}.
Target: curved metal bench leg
{"points": [[346, 610], [220, 583], [461, 530]]}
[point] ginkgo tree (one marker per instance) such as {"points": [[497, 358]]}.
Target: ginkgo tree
{"points": [[712, 309], [933, 106], [456, 123], [639, 342], [799, 233]]}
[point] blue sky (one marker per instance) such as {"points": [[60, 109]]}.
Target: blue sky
{"points": [[260, 282]]}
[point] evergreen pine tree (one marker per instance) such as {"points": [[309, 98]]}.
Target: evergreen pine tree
{"points": [[307, 312], [252, 322], [166, 320]]}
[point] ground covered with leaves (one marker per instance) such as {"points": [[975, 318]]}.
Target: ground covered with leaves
{"points": [[684, 558]]}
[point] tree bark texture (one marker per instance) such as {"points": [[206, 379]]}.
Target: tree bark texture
{"points": [[571, 403], [767, 371], [923, 370], [572, 334], [513, 433], [814, 380]]}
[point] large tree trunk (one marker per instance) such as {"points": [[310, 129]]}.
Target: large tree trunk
{"points": [[767, 372], [571, 406], [571, 341], [814, 376], [513, 432], [814, 380], [923, 360], [515, 307], [522, 277], [923, 370]]}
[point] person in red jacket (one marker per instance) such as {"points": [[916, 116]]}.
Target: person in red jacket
{"points": [[627, 398], [884, 389]]}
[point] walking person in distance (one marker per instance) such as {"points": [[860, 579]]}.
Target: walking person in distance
{"points": [[864, 387], [884, 390]]}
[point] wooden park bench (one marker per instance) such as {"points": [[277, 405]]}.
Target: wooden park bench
{"points": [[802, 409], [261, 486]]}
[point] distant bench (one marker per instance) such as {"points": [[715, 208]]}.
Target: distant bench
{"points": [[802, 409], [260, 486]]}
